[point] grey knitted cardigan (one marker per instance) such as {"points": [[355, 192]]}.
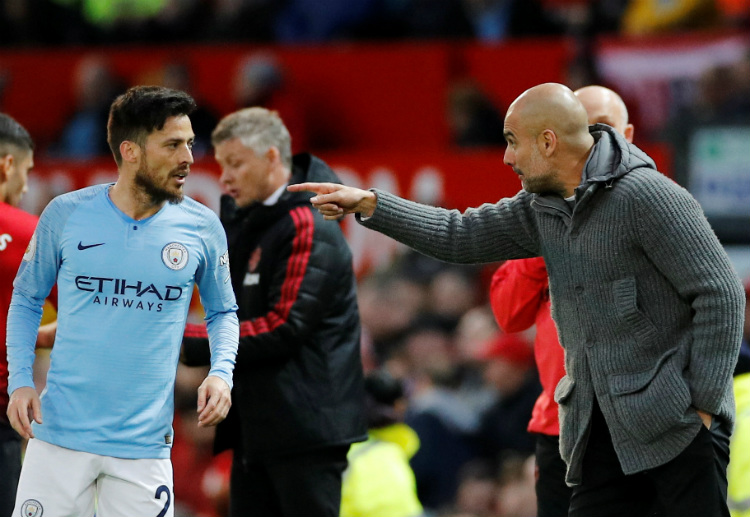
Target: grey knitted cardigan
{"points": [[647, 305]]}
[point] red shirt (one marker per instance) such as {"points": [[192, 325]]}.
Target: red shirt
{"points": [[519, 296], [16, 229]]}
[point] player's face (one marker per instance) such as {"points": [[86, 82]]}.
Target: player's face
{"points": [[522, 154], [17, 167], [166, 159], [245, 175]]}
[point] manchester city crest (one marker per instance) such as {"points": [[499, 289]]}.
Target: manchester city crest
{"points": [[32, 508], [175, 256]]}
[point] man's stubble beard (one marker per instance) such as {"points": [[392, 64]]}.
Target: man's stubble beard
{"points": [[156, 193]]}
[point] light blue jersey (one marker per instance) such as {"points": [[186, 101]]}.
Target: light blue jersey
{"points": [[124, 289]]}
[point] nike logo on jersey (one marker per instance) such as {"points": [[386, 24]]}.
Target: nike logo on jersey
{"points": [[82, 246]]}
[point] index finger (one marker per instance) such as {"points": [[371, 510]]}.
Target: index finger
{"points": [[317, 188]]}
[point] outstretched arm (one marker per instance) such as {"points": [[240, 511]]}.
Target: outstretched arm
{"points": [[334, 201]]}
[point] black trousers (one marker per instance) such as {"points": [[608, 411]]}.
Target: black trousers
{"points": [[693, 484], [295, 485], [552, 494], [10, 471]]}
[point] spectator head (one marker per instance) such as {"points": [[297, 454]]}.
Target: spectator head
{"points": [[604, 106], [384, 399], [258, 77], [477, 488], [16, 159], [176, 75], [253, 148], [140, 111], [472, 118], [94, 83], [516, 493], [508, 359]]}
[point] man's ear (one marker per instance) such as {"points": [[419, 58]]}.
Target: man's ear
{"points": [[628, 133], [547, 141], [273, 154], [130, 151], [6, 163]]}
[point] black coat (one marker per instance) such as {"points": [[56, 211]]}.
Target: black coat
{"points": [[298, 382]]}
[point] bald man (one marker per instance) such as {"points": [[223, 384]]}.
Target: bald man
{"points": [[605, 106], [519, 297], [647, 305]]}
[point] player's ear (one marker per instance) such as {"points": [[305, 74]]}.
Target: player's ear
{"points": [[6, 163], [130, 151]]}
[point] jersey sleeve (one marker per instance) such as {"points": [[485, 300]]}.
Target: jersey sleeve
{"points": [[36, 277], [217, 297], [517, 292]]}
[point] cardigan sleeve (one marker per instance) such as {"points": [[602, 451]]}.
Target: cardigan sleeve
{"points": [[489, 233]]}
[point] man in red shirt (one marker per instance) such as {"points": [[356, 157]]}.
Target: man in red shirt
{"points": [[519, 296], [16, 228]]}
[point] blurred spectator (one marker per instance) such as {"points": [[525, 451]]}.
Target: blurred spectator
{"points": [[574, 15], [243, 20], [424, 19], [444, 424], [260, 80], [472, 118], [428, 346], [95, 88], [134, 20], [738, 472], [192, 451], [476, 326], [717, 99], [474, 329], [515, 497], [743, 362], [307, 21], [477, 489], [496, 20], [177, 75], [215, 482], [581, 69], [35, 22], [741, 80], [643, 17], [509, 369], [736, 13], [4, 81], [388, 303], [451, 293], [378, 481], [192, 456]]}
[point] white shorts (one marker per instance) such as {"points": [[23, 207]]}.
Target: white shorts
{"points": [[59, 482]]}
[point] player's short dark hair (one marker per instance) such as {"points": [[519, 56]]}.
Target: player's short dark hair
{"points": [[13, 136], [140, 111]]}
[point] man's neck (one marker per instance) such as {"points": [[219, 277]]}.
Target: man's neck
{"points": [[132, 201]]}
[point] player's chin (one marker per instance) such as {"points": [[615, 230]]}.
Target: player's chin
{"points": [[175, 197]]}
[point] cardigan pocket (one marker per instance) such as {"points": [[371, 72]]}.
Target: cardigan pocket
{"points": [[633, 319], [564, 389], [650, 403]]}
